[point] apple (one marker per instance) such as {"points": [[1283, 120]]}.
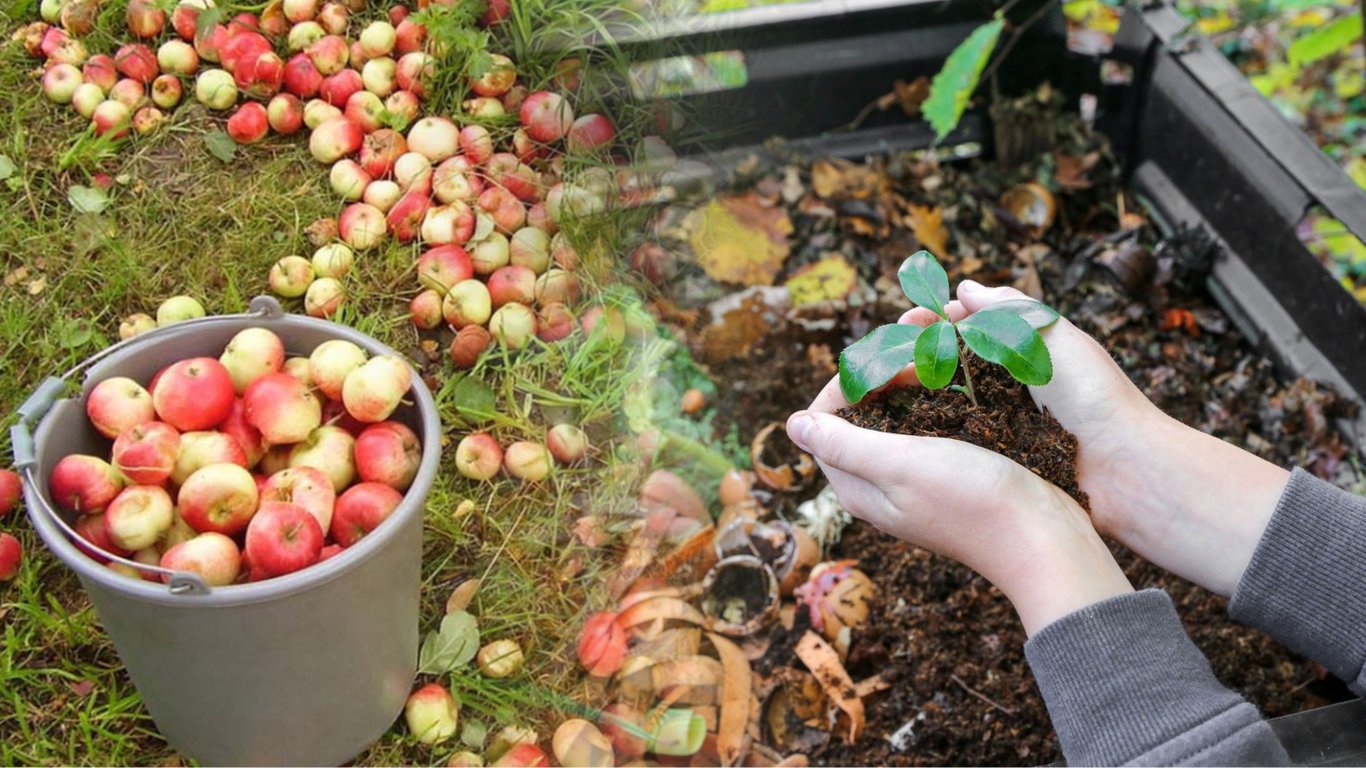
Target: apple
{"points": [[329, 54], [557, 286], [290, 276], [382, 194], [334, 140], [282, 408], [490, 254], [297, 11], [285, 112], [298, 368], [138, 516], [412, 170], [87, 98], [11, 490], [349, 181], [513, 325], [331, 362], [178, 309], [405, 218], [212, 556], [112, 118], [512, 283], [409, 36], [60, 83], [100, 70], [307, 487], [380, 150], [304, 34], [193, 394], [215, 89], [403, 107], [499, 76], [283, 538], [378, 38], [372, 391], [530, 248], [554, 322], [567, 443], [431, 714], [218, 498], [333, 260], [237, 427], [388, 452], [12, 555], [92, 529], [330, 450], [538, 216], [469, 343], [262, 76], [117, 404], [590, 133], [413, 71], [128, 92], [333, 17], [209, 45], [301, 78], [546, 116], [366, 110], [524, 149], [273, 22], [249, 123], [337, 89], [467, 303], [476, 143], [361, 509], [455, 180], [59, 48], [425, 309], [435, 138], [84, 484], [478, 456], [335, 415], [251, 354], [362, 226], [507, 211], [505, 170], [495, 12], [275, 460], [148, 120], [440, 268], [200, 449], [135, 325], [317, 112], [448, 224], [242, 49], [185, 17], [247, 22], [167, 91], [136, 61], [483, 108]]}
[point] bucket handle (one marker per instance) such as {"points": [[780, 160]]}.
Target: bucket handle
{"points": [[52, 389]]}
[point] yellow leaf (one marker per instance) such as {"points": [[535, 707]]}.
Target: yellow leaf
{"points": [[739, 239], [830, 279], [1213, 25], [928, 225], [1311, 17], [1356, 168]]}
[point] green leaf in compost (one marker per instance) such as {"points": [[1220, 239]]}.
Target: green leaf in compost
{"points": [[450, 647], [221, 145], [875, 359], [1003, 338], [1036, 313], [87, 199], [925, 282], [952, 88], [936, 355], [1338, 35]]}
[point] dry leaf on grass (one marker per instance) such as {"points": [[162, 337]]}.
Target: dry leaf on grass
{"points": [[462, 596], [740, 239], [927, 222]]}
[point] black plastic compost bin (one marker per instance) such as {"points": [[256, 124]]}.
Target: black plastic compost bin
{"points": [[1201, 147]]}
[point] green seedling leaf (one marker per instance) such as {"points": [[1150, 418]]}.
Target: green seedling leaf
{"points": [[925, 282], [875, 359], [952, 88], [936, 355], [221, 145], [87, 199], [1336, 36], [1008, 340], [1036, 313], [450, 647]]}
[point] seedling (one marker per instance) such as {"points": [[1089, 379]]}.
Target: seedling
{"points": [[1007, 334]]}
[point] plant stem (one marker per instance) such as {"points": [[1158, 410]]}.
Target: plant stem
{"points": [[967, 376]]}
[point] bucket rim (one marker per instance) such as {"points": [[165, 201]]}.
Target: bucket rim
{"points": [[413, 503]]}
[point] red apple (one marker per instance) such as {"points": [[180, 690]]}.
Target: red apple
{"points": [[476, 143], [390, 453], [442, 267], [137, 61], [362, 226], [282, 408], [212, 556], [241, 50], [425, 310], [11, 490], [84, 484], [285, 113], [330, 551], [92, 529], [329, 54], [210, 44], [193, 394], [505, 170], [403, 107], [117, 404], [112, 118], [249, 124], [509, 215], [554, 322], [146, 454], [413, 71], [262, 76], [185, 18], [512, 283], [101, 71], [335, 415], [522, 756], [478, 456], [591, 133], [405, 218], [409, 36], [557, 286], [200, 449], [546, 116], [330, 450], [381, 150], [372, 391], [283, 538], [495, 12], [337, 89], [301, 78], [11, 556], [307, 487], [333, 17], [361, 509], [137, 517], [219, 498]]}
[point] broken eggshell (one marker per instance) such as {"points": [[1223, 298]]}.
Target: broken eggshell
{"points": [[797, 716], [806, 553], [772, 542], [739, 595], [778, 462], [837, 596]]}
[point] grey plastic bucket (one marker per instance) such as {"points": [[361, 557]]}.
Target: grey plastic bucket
{"points": [[306, 669]]}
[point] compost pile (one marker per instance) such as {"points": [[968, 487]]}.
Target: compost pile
{"points": [[768, 279]]}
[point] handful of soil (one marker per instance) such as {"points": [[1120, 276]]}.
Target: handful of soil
{"points": [[1005, 420]]}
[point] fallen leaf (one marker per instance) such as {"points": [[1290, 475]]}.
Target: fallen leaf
{"points": [[911, 95], [37, 286], [737, 330], [825, 664], [830, 279], [927, 223], [666, 608], [738, 682], [1070, 170], [16, 276], [462, 596], [836, 177], [739, 239]]}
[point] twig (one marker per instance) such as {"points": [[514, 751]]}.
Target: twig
{"points": [[1015, 34], [981, 695]]}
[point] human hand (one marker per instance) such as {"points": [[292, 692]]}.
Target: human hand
{"points": [[1184, 500], [1020, 532]]}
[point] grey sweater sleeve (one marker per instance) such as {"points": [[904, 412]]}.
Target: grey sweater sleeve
{"points": [[1124, 684], [1306, 584]]}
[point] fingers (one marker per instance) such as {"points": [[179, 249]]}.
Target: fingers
{"points": [[975, 296], [924, 317], [836, 443], [830, 399]]}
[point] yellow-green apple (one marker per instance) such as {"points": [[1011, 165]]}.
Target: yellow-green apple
{"points": [[324, 297], [249, 437], [200, 449], [435, 138], [557, 286], [215, 89], [282, 408], [331, 362], [431, 714], [118, 403], [478, 456], [138, 516], [307, 487], [178, 309], [456, 179], [388, 452], [251, 354], [361, 509], [467, 304], [334, 259], [372, 391], [526, 460], [333, 17], [335, 139], [60, 83], [329, 54], [219, 498], [87, 98], [167, 91], [291, 276], [330, 450], [366, 110], [490, 254], [412, 170], [282, 538], [379, 76], [212, 556], [403, 108], [425, 310], [84, 484], [180, 531], [513, 325], [382, 194], [193, 394], [285, 112], [496, 78], [148, 120], [483, 108], [300, 368], [378, 38], [302, 35], [146, 453], [530, 248], [177, 57], [513, 283], [136, 324], [567, 443], [348, 180], [448, 224]]}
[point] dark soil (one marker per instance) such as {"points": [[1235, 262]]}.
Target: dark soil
{"points": [[1004, 420]]}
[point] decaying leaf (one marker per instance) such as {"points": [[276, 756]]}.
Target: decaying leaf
{"points": [[830, 279], [740, 239], [1071, 170], [462, 596], [927, 222], [736, 690], [741, 321], [836, 177], [660, 608], [693, 556], [825, 664]]}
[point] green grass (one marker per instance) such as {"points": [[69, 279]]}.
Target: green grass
{"points": [[181, 221]]}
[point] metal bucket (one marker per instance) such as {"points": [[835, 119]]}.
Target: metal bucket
{"points": [[306, 669]]}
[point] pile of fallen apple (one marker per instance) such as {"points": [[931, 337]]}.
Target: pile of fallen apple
{"points": [[243, 467]]}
